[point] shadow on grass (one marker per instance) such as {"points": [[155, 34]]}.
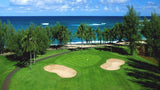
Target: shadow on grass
{"points": [[114, 49], [21, 61], [56, 46], [144, 74], [78, 49], [143, 65]]}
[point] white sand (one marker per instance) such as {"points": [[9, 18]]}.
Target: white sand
{"points": [[112, 64], [85, 46], [62, 71], [7, 53]]}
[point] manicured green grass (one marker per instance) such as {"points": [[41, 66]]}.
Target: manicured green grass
{"points": [[89, 74], [51, 52], [6, 66]]}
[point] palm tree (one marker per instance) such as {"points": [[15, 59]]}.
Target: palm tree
{"points": [[94, 35], [87, 35], [106, 34], [110, 36], [91, 34], [27, 45], [35, 42], [49, 33], [29, 42], [99, 34], [64, 36], [71, 36], [81, 32]]}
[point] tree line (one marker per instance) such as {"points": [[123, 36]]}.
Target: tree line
{"points": [[27, 43], [151, 30]]}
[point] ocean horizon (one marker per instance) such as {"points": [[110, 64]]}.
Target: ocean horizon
{"points": [[71, 22]]}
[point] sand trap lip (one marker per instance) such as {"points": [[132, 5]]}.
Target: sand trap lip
{"points": [[61, 70], [112, 64]]}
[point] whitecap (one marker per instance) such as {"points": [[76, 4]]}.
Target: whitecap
{"points": [[45, 24], [103, 23], [97, 24]]}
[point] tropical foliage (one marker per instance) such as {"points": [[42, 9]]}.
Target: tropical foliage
{"points": [[151, 31], [131, 24], [28, 43], [99, 34], [81, 32], [5, 31]]}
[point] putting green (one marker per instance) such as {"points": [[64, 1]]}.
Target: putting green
{"points": [[89, 74], [80, 60]]}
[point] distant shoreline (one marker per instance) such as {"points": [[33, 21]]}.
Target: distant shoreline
{"points": [[95, 42]]}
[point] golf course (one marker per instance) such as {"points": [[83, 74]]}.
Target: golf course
{"points": [[90, 76], [124, 56]]}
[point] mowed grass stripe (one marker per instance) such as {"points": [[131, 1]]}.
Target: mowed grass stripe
{"points": [[90, 77]]}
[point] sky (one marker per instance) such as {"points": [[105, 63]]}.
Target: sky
{"points": [[77, 7]]}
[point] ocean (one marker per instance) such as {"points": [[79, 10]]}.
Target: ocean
{"points": [[71, 22]]}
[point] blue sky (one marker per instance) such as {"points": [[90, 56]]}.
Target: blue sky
{"points": [[76, 7]]}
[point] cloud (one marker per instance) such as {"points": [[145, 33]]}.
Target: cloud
{"points": [[72, 9], [117, 1], [86, 6], [85, 1], [96, 6], [39, 4], [28, 9], [150, 3], [105, 8], [117, 9], [93, 10], [101, 1], [20, 2], [34, 2], [63, 8], [79, 0], [65, 5], [90, 10], [9, 9]]}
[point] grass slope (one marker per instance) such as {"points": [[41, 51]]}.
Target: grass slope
{"points": [[89, 77], [6, 66], [51, 52]]}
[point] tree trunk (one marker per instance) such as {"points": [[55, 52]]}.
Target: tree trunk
{"points": [[30, 60], [159, 62], [34, 58], [131, 51], [81, 43], [91, 44], [111, 48], [111, 44]]}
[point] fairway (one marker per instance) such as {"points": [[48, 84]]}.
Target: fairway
{"points": [[89, 74]]}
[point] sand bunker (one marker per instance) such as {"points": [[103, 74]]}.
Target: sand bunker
{"points": [[112, 64], [62, 71]]}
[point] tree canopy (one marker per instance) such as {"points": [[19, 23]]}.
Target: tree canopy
{"points": [[151, 31], [81, 32], [131, 24]]}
